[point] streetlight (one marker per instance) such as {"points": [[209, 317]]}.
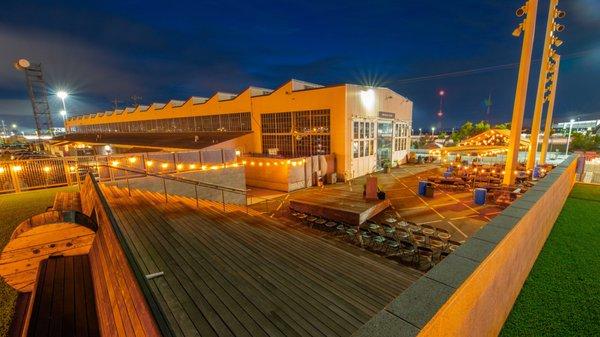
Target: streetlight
{"points": [[569, 138], [14, 126], [63, 95], [433, 130], [419, 132]]}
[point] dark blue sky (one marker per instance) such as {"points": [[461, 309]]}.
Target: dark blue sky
{"points": [[103, 50]]}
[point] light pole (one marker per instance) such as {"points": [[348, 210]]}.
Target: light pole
{"points": [[419, 132], [569, 138], [440, 113], [63, 95], [527, 27], [433, 130], [549, 63]]}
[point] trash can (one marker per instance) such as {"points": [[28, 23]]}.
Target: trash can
{"points": [[422, 186], [429, 190], [536, 173], [479, 195]]}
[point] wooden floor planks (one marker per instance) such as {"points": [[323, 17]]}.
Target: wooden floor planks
{"points": [[233, 274]]}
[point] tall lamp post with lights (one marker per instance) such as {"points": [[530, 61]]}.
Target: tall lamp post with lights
{"points": [[529, 10], [546, 80], [569, 138], [440, 112], [63, 95]]}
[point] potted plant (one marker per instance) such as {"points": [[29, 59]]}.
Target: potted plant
{"points": [[387, 165]]}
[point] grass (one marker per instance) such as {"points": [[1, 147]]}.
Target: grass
{"points": [[14, 208], [561, 295]]}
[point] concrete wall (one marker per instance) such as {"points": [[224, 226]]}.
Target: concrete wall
{"points": [[233, 177], [471, 292]]}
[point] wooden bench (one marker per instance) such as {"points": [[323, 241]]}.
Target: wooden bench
{"points": [[63, 299], [67, 201]]}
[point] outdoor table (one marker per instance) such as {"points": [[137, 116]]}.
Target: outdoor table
{"points": [[374, 226], [436, 244], [403, 224], [428, 231], [443, 236], [390, 230], [414, 228], [320, 221], [403, 235], [391, 220], [330, 224]]}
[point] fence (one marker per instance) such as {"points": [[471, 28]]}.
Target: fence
{"points": [[23, 175], [591, 173]]}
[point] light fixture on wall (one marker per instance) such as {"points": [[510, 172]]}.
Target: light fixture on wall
{"points": [[367, 98]]}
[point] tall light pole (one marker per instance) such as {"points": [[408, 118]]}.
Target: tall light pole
{"points": [[433, 130], [527, 27], [548, 55], [550, 99], [63, 95], [419, 132], [569, 138], [440, 112]]}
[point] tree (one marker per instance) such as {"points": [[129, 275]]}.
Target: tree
{"points": [[469, 129], [585, 142]]}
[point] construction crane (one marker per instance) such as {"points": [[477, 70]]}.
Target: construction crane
{"points": [[38, 94]]}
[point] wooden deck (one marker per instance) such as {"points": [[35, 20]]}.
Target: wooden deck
{"points": [[337, 204], [232, 274]]}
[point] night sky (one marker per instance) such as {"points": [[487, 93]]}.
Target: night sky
{"points": [[159, 50]]}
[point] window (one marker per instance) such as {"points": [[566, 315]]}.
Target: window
{"points": [[401, 136], [364, 132], [299, 133]]}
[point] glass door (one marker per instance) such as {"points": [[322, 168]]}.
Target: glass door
{"points": [[384, 143]]}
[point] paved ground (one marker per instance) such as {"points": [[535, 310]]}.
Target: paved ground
{"points": [[448, 209]]}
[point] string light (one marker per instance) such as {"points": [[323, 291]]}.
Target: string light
{"points": [[192, 166], [132, 159], [164, 165], [115, 163], [204, 167], [47, 169], [149, 163], [1, 170], [179, 167], [72, 168]]}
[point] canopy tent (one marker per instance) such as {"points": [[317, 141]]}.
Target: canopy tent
{"points": [[488, 143]]}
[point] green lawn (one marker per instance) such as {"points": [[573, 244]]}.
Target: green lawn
{"points": [[561, 296], [14, 208]]}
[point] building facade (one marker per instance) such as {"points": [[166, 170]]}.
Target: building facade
{"points": [[363, 126]]}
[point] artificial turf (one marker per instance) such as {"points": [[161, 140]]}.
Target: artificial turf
{"points": [[14, 208], [561, 296]]}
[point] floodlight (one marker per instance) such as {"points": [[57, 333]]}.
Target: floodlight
{"points": [[559, 14], [517, 32], [62, 94], [521, 11]]}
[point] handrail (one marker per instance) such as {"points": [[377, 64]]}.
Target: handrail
{"points": [[178, 179], [167, 176]]}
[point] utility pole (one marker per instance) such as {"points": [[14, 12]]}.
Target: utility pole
{"points": [[550, 99], [527, 27], [546, 67]]}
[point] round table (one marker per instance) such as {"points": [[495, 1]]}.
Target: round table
{"points": [[443, 236], [374, 226], [428, 231]]}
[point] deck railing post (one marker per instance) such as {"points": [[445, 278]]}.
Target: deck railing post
{"points": [[246, 196], [165, 189], [196, 190], [223, 199]]}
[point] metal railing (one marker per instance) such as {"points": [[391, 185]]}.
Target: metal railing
{"points": [[131, 173], [28, 174]]}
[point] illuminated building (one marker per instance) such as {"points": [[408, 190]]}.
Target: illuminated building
{"points": [[361, 125]]}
